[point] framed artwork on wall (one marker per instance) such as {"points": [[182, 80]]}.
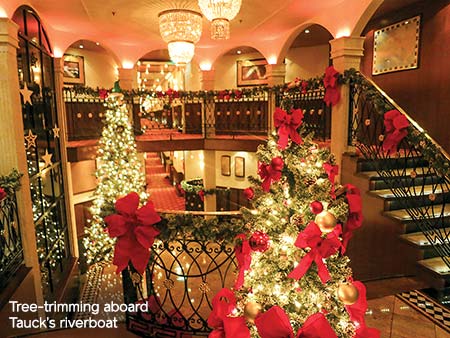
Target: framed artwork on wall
{"points": [[251, 72], [239, 166], [396, 47], [73, 69], [225, 165]]}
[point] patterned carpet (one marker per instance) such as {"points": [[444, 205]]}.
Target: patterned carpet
{"points": [[162, 193]]}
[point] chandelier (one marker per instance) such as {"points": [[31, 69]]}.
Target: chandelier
{"points": [[181, 29], [220, 12]]}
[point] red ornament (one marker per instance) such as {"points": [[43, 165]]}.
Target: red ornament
{"points": [[277, 163], [316, 207], [2, 194], [249, 193], [259, 241]]}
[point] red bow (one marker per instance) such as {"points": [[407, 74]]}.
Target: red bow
{"points": [[103, 94], [224, 326], [355, 216], [3, 194], [357, 312], [304, 86], [320, 248], [249, 193], [316, 326], [201, 194], [237, 94], [332, 93], [172, 94], [270, 172], [274, 323], [396, 125], [287, 125], [244, 258], [332, 171], [223, 95], [134, 231]]}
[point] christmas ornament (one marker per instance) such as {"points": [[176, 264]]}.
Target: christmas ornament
{"points": [[347, 293], [326, 221], [270, 172], [251, 311], [277, 163], [26, 94], [287, 125], [56, 132], [120, 129], [249, 193], [30, 139], [297, 219], [259, 241], [47, 159], [316, 207]]}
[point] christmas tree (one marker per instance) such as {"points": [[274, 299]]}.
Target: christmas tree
{"points": [[294, 278], [118, 173]]}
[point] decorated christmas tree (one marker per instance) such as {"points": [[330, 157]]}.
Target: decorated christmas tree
{"points": [[294, 278], [118, 173]]}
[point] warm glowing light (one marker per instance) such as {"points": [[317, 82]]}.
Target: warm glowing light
{"points": [[3, 13], [220, 12], [238, 52], [57, 52], [126, 64], [205, 65], [81, 46], [307, 31], [344, 32], [272, 60]]}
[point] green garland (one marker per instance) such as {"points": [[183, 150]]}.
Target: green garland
{"points": [[192, 187], [11, 183]]}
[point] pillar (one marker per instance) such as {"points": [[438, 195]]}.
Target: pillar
{"points": [[127, 78], [276, 74], [12, 145], [209, 119], [346, 53], [209, 179]]}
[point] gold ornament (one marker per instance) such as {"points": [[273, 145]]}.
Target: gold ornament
{"points": [[347, 293], [251, 311], [326, 221]]}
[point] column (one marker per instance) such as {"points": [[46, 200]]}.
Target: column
{"points": [[275, 76], [209, 119], [12, 145], [127, 78], [209, 179], [346, 53], [61, 111]]}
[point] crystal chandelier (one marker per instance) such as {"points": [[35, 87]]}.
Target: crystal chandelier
{"points": [[220, 12], [181, 29]]}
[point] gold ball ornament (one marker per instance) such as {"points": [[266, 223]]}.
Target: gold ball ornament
{"points": [[347, 293], [251, 311], [326, 221]]}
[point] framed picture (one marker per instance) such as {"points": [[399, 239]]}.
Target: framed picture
{"points": [[73, 69], [251, 72], [396, 47], [239, 166], [225, 165]]}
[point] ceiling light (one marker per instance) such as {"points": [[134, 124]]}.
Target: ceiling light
{"points": [[181, 29], [238, 51], [81, 46], [307, 31], [220, 12], [97, 43]]}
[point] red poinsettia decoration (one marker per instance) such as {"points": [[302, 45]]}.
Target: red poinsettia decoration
{"points": [[304, 86], [2, 194], [396, 125], [237, 94], [332, 93], [287, 125], [270, 172], [201, 194], [224, 95], [134, 231], [103, 93]]}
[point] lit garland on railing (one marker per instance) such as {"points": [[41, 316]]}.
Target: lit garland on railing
{"points": [[192, 187], [11, 182]]}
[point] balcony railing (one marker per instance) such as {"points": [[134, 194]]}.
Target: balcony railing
{"points": [[11, 252]]}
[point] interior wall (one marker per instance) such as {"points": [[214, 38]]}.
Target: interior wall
{"points": [[100, 68], [422, 92], [251, 168], [306, 62], [192, 77], [83, 176], [194, 164]]}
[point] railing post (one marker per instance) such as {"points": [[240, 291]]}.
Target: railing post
{"points": [[209, 120], [12, 146], [346, 53]]}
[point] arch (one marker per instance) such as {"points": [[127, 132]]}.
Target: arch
{"points": [[365, 17], [102, 45], [224, 51]]}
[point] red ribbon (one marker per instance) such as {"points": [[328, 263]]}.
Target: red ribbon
{"points": [[103, 94], [274, 323], [316, 326], [304, 86], [320, 248], [357, 312], [244, 258], [224, 326], [332, 93], [3, 194], [287, 125], [134, 231], [396, 125], [201, 194], [270, 172], [355, 216], [249, 193], [332, 171]]}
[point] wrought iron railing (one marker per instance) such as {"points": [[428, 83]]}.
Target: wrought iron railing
{"points": [[11, 252], [181, 279], [317, 115], [419, 185]]}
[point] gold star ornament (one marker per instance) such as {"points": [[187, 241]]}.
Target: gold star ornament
{"points": [[26, 94], [47, 159], [56, 132], [30, 139]]}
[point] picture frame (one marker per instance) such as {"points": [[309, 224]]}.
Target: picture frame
{"points": [[225, 165], [396, 47], [251, 72], [239, 166], [73, 69]]}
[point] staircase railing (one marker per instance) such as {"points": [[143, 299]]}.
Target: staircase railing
{"points": [[417, 174]]}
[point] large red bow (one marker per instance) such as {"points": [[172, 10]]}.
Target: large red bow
{"points": [[316, 326], [270, 172], [355, 216], [357, 312], [332, 93], [396, 125], [224, 326], [134, 231], [287, 125], [243, 255], [320, 248], [332, 171]]}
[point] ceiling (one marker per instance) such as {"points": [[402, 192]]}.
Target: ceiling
{"points": [[130, 30]]}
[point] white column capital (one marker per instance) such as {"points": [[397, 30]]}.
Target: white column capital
{"points": [[208, 78], [126, 77], [346, 52], [8, 33], [276, 74]]}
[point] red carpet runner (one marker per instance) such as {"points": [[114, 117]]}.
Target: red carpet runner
{"points": [[162, 193]]}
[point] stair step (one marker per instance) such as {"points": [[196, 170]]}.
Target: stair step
{"points": [[436, 265], [391, 163], [402, 215], [406, 172], [419, 240], [420, 191]]}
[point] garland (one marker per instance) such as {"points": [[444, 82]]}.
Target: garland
{"points": [[196, 186], [10, 183]]}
